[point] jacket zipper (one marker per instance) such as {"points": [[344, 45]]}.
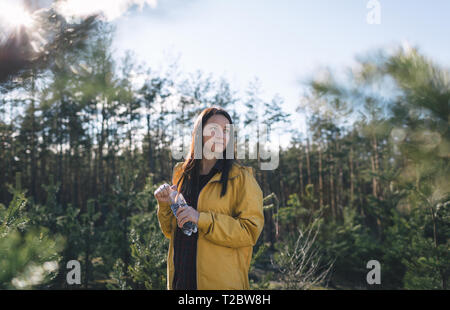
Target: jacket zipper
{"points": [[173, 236], [198, 200]]}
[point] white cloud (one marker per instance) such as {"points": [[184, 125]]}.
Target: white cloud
{"points": [[109, 9]]}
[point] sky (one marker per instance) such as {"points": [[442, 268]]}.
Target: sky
{"points": [[281, 42]]}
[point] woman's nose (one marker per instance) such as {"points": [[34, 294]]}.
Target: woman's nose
{"points": [[218, 134]]}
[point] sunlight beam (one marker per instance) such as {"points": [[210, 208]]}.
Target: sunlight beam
{"points": [[14, 15]]}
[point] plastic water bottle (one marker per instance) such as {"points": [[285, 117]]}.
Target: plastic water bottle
{"points": [[177, 200]]}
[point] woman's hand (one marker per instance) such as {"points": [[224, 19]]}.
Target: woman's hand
{"points": [[162, 193], [187, 214]]}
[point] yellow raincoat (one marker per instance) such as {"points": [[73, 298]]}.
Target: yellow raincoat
{"points": [[228, 228]]}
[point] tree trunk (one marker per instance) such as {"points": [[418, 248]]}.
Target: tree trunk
{"points": [[300, 173], [151, 160], [375, 164], [320, 178], [352, 176], [308, 165], [33, 142], [332, 190]]}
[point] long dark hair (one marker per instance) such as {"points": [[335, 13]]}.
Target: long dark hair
{"points": [[191, 166]]}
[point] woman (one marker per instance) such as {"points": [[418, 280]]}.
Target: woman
{"points": [[226, 203]]}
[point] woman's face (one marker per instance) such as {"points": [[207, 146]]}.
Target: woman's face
{"points": [[216, 135]]}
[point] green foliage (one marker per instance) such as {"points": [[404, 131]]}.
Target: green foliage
{"points": [[28, 260], [148, 248], [29, 256], [260, 257], [372, 170], [69, 222], [12, 218], [260, 274], [426, 262], [149, 261], [404, 226], [351, 245], [118, 277], [264, 282], [300, 261]]}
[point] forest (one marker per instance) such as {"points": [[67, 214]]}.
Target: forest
{"points": [[85, 140]]}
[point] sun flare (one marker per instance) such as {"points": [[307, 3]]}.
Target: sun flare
{"points": [[13, 15]]}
